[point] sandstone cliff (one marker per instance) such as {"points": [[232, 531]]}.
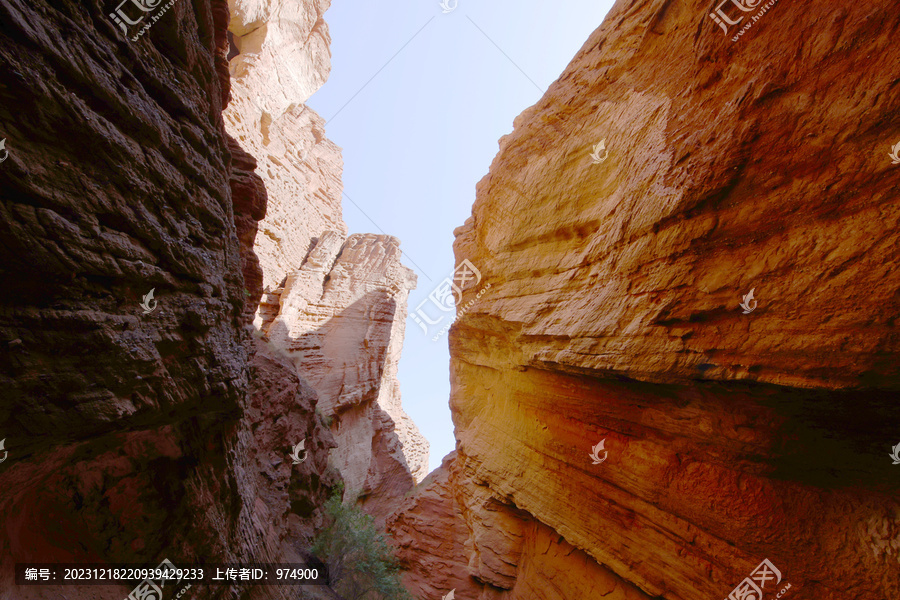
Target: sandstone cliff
{"points": [[336, 306], [341, 318], [613, 315], [138, 434], [279, 56]]}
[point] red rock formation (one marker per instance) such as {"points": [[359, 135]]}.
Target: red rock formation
{"points": [[341, 319], [336, 306], [134, 437], [613, 315]]}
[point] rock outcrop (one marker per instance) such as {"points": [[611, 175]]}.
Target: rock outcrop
{"points": [[336, 306], [341, 319], [280, 56], [136, 434], [613, 315]]}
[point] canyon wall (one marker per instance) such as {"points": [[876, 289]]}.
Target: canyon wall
{"points": [[141, 417], [731, 436], [334, 305], [341, 319], [279, 56]]}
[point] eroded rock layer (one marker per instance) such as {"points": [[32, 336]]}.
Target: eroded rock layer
{"points": [[280, 56], [137, 433], [336, 306], [341, 319], [613, 316]]}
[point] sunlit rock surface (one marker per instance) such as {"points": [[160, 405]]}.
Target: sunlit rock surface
{"points": [[283, 46], [279, 57], [341, 319], [614, 315], [335, 305]]}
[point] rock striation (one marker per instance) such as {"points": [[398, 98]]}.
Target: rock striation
{"points": [[614, 315], [137, 434], [335, 305], [341, 317], [280, 56]]}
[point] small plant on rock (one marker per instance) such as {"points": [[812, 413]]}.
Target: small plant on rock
{"points": [[361, 565]]}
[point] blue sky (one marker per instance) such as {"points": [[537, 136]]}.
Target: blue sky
{"points": [[418, 100]]}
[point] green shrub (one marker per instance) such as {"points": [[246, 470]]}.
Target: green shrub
{"points": [[360, 563], [327, 420]]}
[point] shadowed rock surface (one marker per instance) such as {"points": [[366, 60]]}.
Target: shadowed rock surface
{"points": [[613, 315], [134, 436], [341, 319]]}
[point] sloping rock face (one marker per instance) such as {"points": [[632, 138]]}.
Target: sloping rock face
{"points": [[137, 434], [431, 536], [336, 306], [341, 319], [280, 56], [613, 316]]}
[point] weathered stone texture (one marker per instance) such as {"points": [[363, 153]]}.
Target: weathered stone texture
{"points": [[133, 437], [613, 314], [283, 58], [341, 319], [341, 322], [283, 46], [454, 534]]}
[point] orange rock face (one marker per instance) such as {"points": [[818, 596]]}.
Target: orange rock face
{"points": [[613, 314]]}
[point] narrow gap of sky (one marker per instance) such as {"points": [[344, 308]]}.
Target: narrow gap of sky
{"points": [[418, 100]]}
